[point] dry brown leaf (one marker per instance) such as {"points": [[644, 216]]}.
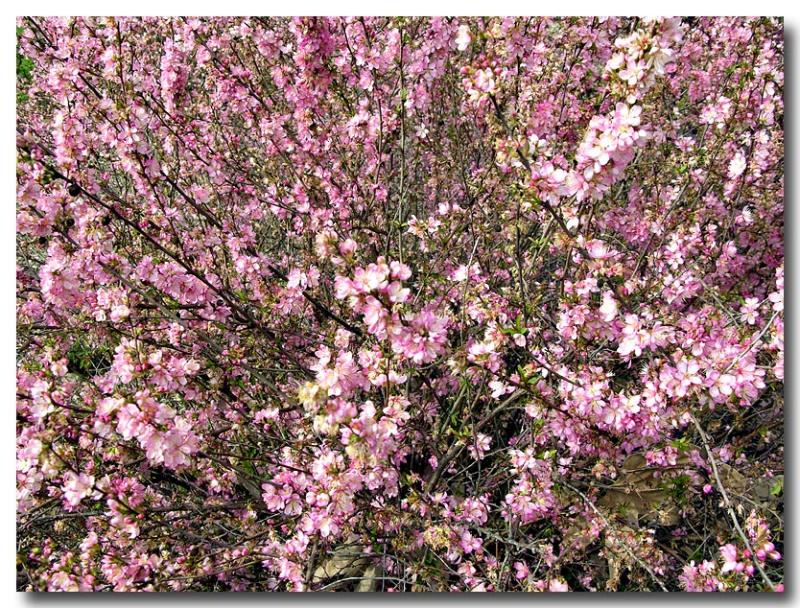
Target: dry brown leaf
{"points": [[345, 561]]}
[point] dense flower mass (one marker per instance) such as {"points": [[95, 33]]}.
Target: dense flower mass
{"points": [[400, 304]]}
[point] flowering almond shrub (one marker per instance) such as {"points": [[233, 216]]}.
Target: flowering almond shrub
{"points": [[400, 304]]}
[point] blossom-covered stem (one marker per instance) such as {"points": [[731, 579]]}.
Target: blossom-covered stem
{"points": [[728, 506]]}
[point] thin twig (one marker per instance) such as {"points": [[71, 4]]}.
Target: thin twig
{"points": [[628, 550], [728, 505]]}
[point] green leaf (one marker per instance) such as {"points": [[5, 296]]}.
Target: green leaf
{"points": [[681, 444]]}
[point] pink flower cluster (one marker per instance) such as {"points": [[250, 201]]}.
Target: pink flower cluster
{"points": [[735, 569]]}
